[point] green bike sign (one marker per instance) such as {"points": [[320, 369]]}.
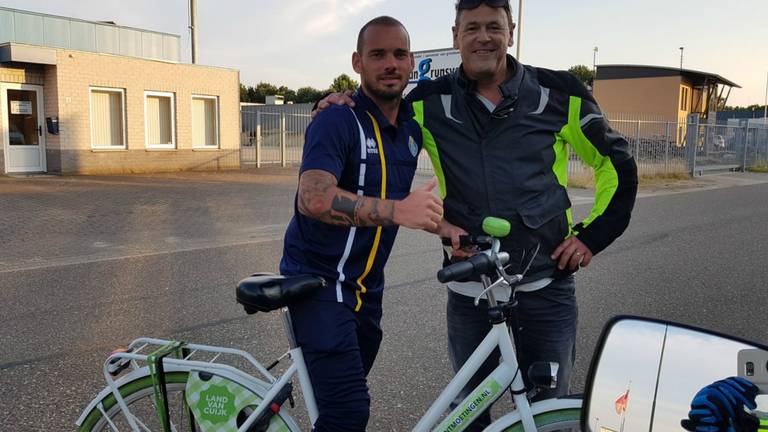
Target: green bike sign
{"points": [[472, 406], [216, 405], [215, 402]]}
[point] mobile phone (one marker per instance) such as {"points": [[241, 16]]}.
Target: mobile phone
{"points": [[753, 365]]}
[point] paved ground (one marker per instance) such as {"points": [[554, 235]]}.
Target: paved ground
{"points": [[89, 263]]}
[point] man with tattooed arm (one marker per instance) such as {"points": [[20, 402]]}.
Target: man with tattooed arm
{"points": [[354, 192]]}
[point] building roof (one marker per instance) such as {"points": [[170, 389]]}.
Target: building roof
{"points": [[52, 31], [624, 71]]}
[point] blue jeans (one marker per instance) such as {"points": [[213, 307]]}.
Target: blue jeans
{"points": [[546, 331]]}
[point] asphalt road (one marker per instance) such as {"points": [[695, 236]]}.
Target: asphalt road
{"points": [[89, 263]]}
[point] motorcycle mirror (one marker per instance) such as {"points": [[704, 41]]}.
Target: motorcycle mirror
{"points": [[646, 372]]}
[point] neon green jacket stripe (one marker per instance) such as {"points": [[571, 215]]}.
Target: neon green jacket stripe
{"points": [[606, 177], [430, 146]]}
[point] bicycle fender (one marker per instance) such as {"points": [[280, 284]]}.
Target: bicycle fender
{"points": [[541, 407]]}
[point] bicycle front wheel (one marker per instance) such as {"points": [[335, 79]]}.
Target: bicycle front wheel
{"points": [[139, 396]]}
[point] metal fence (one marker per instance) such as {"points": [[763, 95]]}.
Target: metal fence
{"points": [[734, 147], [273, 135], [272, 138]]}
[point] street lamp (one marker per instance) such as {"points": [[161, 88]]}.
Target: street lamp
{"points": [[681, 57], [594, 61]]}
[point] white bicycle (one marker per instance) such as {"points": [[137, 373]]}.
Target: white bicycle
{"points": [[162, 385]]}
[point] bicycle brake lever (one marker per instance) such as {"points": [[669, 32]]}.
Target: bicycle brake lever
{"points": [[490, 287], [510, 279], [513, 279]]}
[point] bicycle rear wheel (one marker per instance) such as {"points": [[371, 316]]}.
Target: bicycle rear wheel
{"points": [[139, 396]]}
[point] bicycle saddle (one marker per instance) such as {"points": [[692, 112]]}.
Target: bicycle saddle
{"points": [[264, 292]]}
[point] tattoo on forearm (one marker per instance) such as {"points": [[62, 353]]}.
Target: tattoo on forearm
{"points": [[345, 207], [382, 212], [362, 211], [314, 185], [359, 204]]}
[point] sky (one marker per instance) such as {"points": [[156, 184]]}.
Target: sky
{"points": [[309, 42]]}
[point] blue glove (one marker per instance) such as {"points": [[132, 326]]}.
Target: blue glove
{"points": [[720, 407]]}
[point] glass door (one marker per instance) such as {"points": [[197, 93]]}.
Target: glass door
{"points": [[23, 127]]}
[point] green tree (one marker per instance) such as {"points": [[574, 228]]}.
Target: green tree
{"points": [[263, 90], [753, 107], [342, 83], [290, 95], [584, 73], [243, 93], [308, 95], [252, 96]]}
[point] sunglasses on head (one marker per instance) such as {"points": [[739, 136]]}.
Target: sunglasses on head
{"points": [[471, 4]]}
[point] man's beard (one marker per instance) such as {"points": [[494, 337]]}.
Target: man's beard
{"points": [[385, 94]]}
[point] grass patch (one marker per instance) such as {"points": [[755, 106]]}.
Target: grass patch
{"points": [[663, 178], [762, 168], [586, 179], [582, 180]]}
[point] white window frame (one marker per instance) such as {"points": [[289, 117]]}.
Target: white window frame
{"points": [[215, 117], [96, 146], [149, 145]]}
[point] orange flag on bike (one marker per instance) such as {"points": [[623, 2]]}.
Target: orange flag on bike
{"points": [[621, 403]]}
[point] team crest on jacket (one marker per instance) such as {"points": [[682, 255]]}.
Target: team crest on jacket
{"points": [[412, 146]]}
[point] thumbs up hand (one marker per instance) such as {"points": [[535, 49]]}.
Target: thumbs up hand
{"points": [[421, 209]]}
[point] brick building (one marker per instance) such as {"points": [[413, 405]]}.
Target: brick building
{"points": [[91, 97]]}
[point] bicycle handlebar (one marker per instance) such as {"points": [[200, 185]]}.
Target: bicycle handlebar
{"points": [[477, 264], [470, 240]]}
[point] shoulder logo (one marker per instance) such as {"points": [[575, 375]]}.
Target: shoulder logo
{"points": [[371, 146], [412, 146]]}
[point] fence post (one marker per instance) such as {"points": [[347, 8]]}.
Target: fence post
{"points": [[746, 142], [666, 149], [258, 139], [637, 143], [283, 156], [765, 137], [691, 141], [757, 146], [707, 132], [244, 136]]}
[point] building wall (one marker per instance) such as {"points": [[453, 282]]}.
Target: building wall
{"points": [[67, 87], [21, 74], [51, 109], [657, 97]]}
